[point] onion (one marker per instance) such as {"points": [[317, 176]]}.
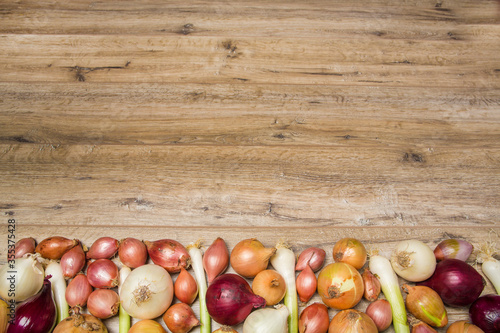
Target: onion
{"points": [[426, 305], [37, 314], [55, 247], [21, 278], [132, 252], [180, 318], [270, 285], [249, 257], [413, 260], [453, 249], [230, 299], [78, 291], [313, 256], [73, 261], [103, 303], [456, 282], [80, 323], [24, 246], [185, 287], [216, 259], [147, 326], [4, 316], [103, 273], [267, 320], [225, 329], [103, 248], [381, 314], [306, 284], [340, 286], [485, 313], [463, 326], [350, 251], [421, 327], [371, 284], [352, 321], [490, 265], [147, 292], [314, 319], [168, 254]]}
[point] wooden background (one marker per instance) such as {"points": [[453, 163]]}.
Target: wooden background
{"points": [[303, 121]]}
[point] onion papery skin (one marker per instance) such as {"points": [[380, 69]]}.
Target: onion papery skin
{"points": [[312, 256], [462, 326], [73, 261], [80, 323], [169, 254], [306, 284], [185, 287], [456, 282], [350, 251], [426, 305], [147, 326], [453, 249], [24, 246], [422, 327], [230, 299], [381, 314], [37, 314], [352, 321], [485, 313], [103, 273], [270, 285], [314, 319], [249, 257], [55, 247], [78, 291], [132, 252], [216, 259], [103, 303], [103, 248], [340, 286], [180, 318]]}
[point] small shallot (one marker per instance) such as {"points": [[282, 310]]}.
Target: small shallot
{"points": [[132, 252], [73, 261], [185, 287], [453, 249], [180, 318], [216, 259], [169, 254], [103, 303], [55, 247], [249, 257], [426, 305], [350, 251], [421, 327], [312, 256], [381, 314], [270, 285], [78, 291], [314, 319], [463, 326], [372, 285], [306, 284], [103, 273], [23, 246], [103, 248]]}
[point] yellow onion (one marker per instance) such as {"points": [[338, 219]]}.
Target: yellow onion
{"points": [[249, 257], [426, 305], [225, 329], [314, 319], [80, 323], [350, 251], [371, 284], [147, 326], [4, 316], [352, 321], [306, 284], [216, 259], [340, 286], [185, 287], [462, 326], [55, 247], [270, 285], [180, 318]]}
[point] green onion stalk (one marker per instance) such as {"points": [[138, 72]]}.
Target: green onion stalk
{"points": [[123, 316], [199, 273]]}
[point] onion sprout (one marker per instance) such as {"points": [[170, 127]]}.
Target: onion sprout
{"points": [[199, 273], [382, 269], [284, 262], [58, 288], [123, 316]]}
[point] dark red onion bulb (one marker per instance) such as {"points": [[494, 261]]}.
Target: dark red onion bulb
{"points": [[485, 313]]}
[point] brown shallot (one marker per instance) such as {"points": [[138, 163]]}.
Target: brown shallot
{"points": [[185, 287], [313, 256], [132, 252], [55, 247], [216, 259], [180, 318], [73, 261], [169, 254], [371, 284], [103, 248]]}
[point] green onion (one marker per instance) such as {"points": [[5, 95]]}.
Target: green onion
{"points": [[199, 273], [123, 316], [58, 288]]}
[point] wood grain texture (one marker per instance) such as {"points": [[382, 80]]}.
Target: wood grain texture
{"points": [[302, 121]]}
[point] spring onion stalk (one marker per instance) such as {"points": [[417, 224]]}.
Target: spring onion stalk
{"points": [[123, 316], [382, 269], [199, 273], [490, 265], [284, 263], [58, 288]]}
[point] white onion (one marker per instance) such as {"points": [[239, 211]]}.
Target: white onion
{"points": [[267, 320], [413, 260], [21, 278], [147, 292]]}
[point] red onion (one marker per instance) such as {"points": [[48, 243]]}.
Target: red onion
{"points": [[73, 261], [457, 282], [103, 273], [485, 313], [37, 314], [230, 299], [132, 252], [103, 248]]}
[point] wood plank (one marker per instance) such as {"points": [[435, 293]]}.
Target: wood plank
{"points": [[255, 185], [249, 115], [65, 58], [383, 239]]}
